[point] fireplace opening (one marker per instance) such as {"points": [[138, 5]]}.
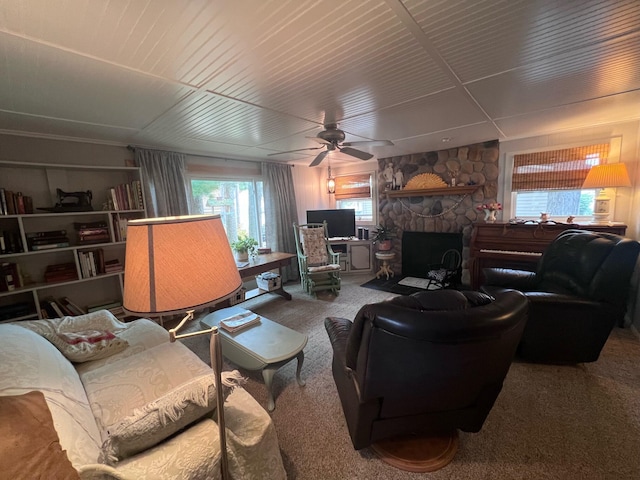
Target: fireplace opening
{"points": [[421, 249]]}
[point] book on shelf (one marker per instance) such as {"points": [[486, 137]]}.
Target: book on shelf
{"points": [[71, 306], [15, 203], [46, 234], [47, 240], [60, 277], [10, 276], [90, 225], [3, 202], [60, 272], [239, 322], [10, 242], [91, 239], [112, 266], [92, 262], [120, 228], [127, 196], [49, 246], [14, 310], [51, 307], [93, 231]]}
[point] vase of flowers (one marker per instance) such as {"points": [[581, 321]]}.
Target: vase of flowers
{"points": [[490, 210]]}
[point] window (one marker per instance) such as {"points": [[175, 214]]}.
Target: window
{"points": [[354, 191], [551, 181], [240, 204]]}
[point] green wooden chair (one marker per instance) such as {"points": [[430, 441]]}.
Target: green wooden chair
{"points": [[319, 265]]}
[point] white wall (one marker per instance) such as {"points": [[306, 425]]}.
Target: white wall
{"points": [[44, 150], [311, 190]]}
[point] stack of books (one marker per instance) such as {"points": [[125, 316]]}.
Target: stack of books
{"points": [[92, 232], [47, 240], [239, 322], [61, 272], [120, 228], [14, 203], [70, 308], [92, 263], [10, 242], [52, 308], [127, 196], [113, 266]]}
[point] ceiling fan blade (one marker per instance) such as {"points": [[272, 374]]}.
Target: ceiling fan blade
{"points": [[319, 140], [319, 158], [291, 151], [356, 153], [369, 143]]}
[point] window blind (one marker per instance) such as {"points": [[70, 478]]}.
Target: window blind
{"points": [[563, 169], [353, 186]]}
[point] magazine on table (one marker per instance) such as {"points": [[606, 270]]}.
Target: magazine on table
{"points": [[240, 321]]}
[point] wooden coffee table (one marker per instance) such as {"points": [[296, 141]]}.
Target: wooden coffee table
{"points": [[266, 346]]}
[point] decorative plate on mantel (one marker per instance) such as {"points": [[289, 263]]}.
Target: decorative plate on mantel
{"points": [[425, 181]]}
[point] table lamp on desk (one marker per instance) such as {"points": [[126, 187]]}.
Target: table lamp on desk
{"points": [[178, 265]]}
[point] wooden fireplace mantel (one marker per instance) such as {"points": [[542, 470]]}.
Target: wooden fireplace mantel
{"points": [[430, 192]]}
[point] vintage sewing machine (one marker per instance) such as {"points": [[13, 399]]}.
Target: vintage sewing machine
{"points": [[73, 201]]}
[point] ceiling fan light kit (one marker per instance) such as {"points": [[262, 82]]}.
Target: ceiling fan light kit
{"points": [[332, 138]]}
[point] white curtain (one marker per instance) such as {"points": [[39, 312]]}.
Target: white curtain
{"points": [[280, 213], [164, 179]]}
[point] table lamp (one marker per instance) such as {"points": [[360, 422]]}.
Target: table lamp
{"points": [[602, 177], [177, 265]]}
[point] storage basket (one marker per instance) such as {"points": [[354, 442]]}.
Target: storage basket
{"points": [[268, 281]]}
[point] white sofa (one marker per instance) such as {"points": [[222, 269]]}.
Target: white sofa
{"points": [[87, 399]]}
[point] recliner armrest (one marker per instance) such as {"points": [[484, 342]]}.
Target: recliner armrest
{"points": [[506, 277], [338, 330]]}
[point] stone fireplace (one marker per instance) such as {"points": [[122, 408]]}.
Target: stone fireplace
{"points": [[475, 164]]}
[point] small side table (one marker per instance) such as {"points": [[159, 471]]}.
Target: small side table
{"points": [[385, 269]]}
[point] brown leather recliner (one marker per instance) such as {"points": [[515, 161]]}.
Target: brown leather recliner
{"points": [[576, 296], [427, 363]]}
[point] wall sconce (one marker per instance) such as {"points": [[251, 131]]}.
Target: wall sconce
{"points": [[331, 182], [602, 177]]}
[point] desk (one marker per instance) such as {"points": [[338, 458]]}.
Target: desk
{"points": [[264, 263]]}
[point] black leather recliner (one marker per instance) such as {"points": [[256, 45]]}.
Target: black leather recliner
{"points": [[576, 296], [427, 363]]}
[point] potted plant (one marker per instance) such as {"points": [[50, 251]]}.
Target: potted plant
{"points": [[244, 246], [382, 237]]}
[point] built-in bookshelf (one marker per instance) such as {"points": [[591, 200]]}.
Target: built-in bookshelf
{"points": [[63, 249]]}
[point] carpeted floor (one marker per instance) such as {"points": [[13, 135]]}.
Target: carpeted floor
{"points": [[549, 422]]}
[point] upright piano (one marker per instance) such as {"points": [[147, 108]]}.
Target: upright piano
{"points": [[518, 245]]}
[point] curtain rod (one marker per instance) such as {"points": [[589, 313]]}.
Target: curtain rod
{"points": [[132, 148]]}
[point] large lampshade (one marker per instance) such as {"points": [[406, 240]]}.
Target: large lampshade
{"points": [[607, 175], [175, 264]]}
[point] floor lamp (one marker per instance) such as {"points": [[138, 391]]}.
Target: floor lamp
{"points": [[177, 265]]}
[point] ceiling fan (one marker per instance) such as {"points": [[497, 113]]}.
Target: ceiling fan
{"points": [[332, 138]]}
